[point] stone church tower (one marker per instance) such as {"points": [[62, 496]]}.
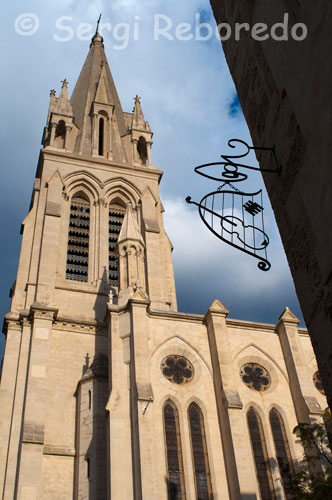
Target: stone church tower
{"points": [[107, 391]]}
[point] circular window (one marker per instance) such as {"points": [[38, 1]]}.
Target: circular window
{"points": [[177, 369], [318, 383], [255, 377]]}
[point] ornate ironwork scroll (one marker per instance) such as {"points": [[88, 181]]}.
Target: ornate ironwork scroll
{"points": [[234, 216]]}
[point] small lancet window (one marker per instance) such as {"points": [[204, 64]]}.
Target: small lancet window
{"points": [[176, 488], [101, 137], [116, 216], [262, 464], [284, 457], [89, 400], [199, 451], [142, 150], [88, 468], [60, 134], [78, 240]]}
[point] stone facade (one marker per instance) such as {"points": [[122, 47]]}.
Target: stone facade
{"points": [[284, 91], [92, 340]]}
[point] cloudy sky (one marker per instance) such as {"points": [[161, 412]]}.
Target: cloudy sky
{"points": [[189, 99]]}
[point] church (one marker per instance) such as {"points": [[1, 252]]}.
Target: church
{"points": [[107, 391]]}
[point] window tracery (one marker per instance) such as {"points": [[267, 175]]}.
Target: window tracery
{"points": [[177, 369], [255, 377]]}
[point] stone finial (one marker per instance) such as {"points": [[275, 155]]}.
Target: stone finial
{"points": [[64, 83], [288, 317], [52, 93], [218, 307]]}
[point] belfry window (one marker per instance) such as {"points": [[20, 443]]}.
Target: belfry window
{"points": [[199, 452], [176, 489], [78, 240], [116, 215], [101, 137], [260, 455], [284, 457]]}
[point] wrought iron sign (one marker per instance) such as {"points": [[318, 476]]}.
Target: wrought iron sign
{"points": [[234, 216]]}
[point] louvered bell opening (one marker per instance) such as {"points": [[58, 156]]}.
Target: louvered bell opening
{"points": [[116, 217], [78, 241]]}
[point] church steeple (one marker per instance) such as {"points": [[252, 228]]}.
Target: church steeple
{"points": [[95, 97], [94, 123]]}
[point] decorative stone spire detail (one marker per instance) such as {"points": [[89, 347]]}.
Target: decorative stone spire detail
{"points": [[62, 105], [141, 135], [130, 231], [138, 121], [131, 250]]}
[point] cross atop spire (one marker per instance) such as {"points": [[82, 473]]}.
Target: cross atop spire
{"points": [[97, 36], [98, 24]]}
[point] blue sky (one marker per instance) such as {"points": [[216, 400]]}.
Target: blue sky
{"points": [[189, 99]]}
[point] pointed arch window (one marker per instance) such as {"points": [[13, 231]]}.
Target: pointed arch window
{"points": [[261, 459], [176, 487], [199, 452], [60, 135], [78, 239], [101, 137], [142, 150], [284, 457], [116, 216]]}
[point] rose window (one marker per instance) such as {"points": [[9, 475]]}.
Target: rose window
{"points": [[255, 377], [318, 383], [177, 369]]}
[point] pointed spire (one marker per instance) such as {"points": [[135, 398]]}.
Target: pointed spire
{"points": [[63, 106], [95, 72], [130, 230], [138, 121]]}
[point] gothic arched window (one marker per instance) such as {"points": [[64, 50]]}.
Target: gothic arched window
{"points": [[281, 444], [199, 451], [116, 216], [176, 489], [101, 137], [78, 239], [260, 455]]}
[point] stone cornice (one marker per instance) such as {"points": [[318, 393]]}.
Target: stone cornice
{"points": [[80, 326], [43, 311]]}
